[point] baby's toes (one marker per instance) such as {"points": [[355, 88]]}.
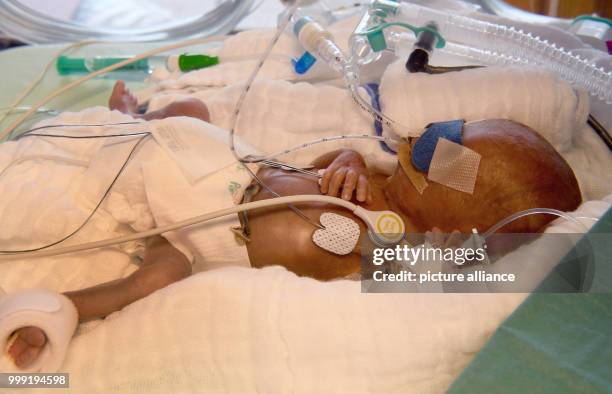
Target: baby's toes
{"points": [[27, 357], [34, 336], [27, 346]]}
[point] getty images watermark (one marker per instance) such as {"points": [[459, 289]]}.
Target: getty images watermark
{"points": [[435, 262]]}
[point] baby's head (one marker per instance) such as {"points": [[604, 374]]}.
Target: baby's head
{"points": [[518, 170]]}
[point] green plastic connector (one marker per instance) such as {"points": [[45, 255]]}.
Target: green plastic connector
{"points": [[592, 18], [196, 62], [377, 40]]}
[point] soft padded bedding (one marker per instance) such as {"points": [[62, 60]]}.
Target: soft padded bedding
{"points": [[240, 329]]}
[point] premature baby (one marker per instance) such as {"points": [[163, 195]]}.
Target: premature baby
{"points": [[519, 170]]}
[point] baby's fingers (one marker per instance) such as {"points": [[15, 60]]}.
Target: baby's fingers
{"points": [[363, 192], [350, 183], [327, 176], [336, 181], [454, 239]]}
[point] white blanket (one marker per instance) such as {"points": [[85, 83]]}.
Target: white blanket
{"points": [[236, 329], [243, 330]]}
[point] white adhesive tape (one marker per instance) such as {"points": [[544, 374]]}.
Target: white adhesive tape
{"points": [[454, 165], [53, 313]]}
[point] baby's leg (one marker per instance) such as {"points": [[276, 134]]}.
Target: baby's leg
{"points": [[123, 100], [163, 265]]}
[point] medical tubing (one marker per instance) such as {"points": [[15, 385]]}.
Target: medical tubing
{"points": [[115, 66], [532, 211], [24, 108], [330, 53], [317, 41], [490, 58], [30, 132], [35, 27], [279, 31], [184, 223], [290, 12], [28, 89], [514, 44], [393, 125], [259, 159], [350, 74]]}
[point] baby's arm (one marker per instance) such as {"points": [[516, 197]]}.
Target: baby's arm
{"points": [[162, 265], [345, 173]]}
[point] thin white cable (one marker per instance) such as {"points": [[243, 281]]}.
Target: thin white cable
{"points": [[24, 108], [184, 223], [308, 144], [94, 74], [532, 211], [40, 76], [281, 27]]}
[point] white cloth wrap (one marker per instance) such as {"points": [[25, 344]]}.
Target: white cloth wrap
{"points": [[533, 97], [53, 313], [172, 197], [277, 115]]}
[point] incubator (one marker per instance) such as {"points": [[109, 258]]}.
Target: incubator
{"points": [[412, 32]]}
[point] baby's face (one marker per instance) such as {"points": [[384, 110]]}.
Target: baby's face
{"points": [[518, 170]]}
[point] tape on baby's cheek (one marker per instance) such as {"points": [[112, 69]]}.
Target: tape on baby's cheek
{"points": [[405, 160], [455, 166]]}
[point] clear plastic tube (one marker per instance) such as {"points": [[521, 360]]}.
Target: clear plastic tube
{"points": [[493, 40], [24, 108], [532, 211], [352, 83], [31, 26]]}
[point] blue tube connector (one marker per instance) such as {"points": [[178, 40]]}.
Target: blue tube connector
{"points": [[304, 63]]}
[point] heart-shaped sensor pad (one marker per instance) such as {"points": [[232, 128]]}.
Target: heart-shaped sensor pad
{"points": [[339, 236]]}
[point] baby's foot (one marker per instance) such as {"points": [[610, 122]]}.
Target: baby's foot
{"points": [[27, 345], [123, 100]]}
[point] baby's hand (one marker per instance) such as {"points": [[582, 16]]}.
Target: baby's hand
{"points": [[346, 174], [438, 239]]}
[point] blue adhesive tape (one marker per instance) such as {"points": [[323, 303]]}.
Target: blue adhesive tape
{"points": [[423, 149]]}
